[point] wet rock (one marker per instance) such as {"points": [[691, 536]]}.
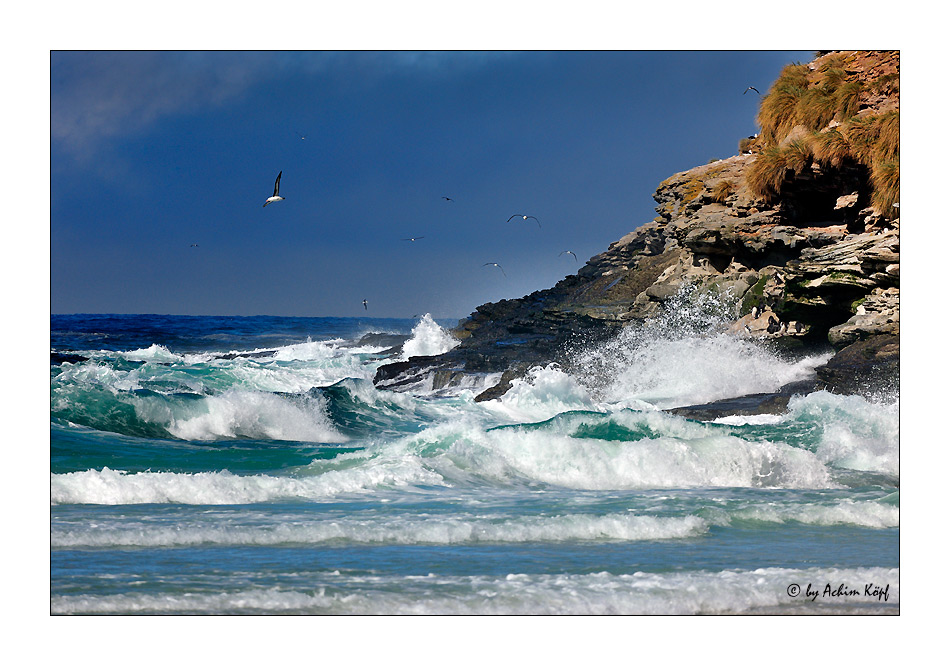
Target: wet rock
{"points": [[747, 405], [865, 367]]}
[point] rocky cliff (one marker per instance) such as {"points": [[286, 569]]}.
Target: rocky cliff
{"points": [[800, 233]]}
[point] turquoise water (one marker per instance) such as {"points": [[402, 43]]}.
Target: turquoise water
{"points": [[247, 465]]}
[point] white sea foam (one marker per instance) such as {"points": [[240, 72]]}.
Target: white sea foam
{"points": [[844, 512], [685, 357], [857, 433], [673, 372], [400, 529], [247, 414], [676, 453], [116, 487], [768, 590], [321, 350], [541, 394], [154, 354], [428, 339]]}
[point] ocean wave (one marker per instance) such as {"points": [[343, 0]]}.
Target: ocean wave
{"points": [[108, 486], [766, 590], [855, 433], [646, 450], [401, 529]]}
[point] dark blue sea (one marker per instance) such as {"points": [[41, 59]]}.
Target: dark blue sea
{"points": [[248, 465]]}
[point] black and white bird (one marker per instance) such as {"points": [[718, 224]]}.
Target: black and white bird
{"points": [[276, 196], [751, 88], [491, 263], [570, 253], [526, 217], [365, 306], [448, 199], [194, 245], [414, 238]]}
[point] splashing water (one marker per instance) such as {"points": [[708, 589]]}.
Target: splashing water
{"points": [[686, 357], [428, 339]]}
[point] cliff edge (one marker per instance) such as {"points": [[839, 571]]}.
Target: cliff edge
{"points": [[799, 233]]}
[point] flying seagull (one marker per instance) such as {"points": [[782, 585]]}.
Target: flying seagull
{"points": [[491, 263], [365, 307], [194, 245], [751, 88], [447, 199], [570, 253], [526, 217], [276, 196], [414, 239]]}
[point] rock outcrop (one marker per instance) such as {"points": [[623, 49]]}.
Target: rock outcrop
{"points": [[817, 265]]}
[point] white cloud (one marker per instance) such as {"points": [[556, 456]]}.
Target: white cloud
{"points": [[98, 95]]}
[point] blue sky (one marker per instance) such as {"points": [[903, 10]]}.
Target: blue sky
{"points": [[154, 151]]}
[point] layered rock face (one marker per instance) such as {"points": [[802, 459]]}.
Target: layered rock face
{"points": [[818, 265]]}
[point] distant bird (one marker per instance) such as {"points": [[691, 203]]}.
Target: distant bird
{"points": [[194, 245], [526, 217], [751, 88], [414, 239], [491, 263], [302, 137], [276, 196], [570, 253], [447, 199], [365, 306]]}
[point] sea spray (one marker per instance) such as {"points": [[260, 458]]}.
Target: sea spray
{"points": [[428, 339], [684, 357]]}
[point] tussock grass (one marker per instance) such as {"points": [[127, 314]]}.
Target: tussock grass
{"points": [[886, 179], [830, 148], [861, 133], [849, 99], [722, 190], [798, 155], [888, 84], [813, 100], [767, 173], [888, 144], [777, 111], [816, 108]]}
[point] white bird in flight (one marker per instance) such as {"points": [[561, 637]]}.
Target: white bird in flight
{"points": [[491, 263], [414, 239], [276, 196], [751, 88], [570, 253], [526, 217]]}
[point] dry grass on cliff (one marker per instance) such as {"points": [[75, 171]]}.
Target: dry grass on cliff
{"points": [[723, 190], [767, 173], [825, 104]]}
